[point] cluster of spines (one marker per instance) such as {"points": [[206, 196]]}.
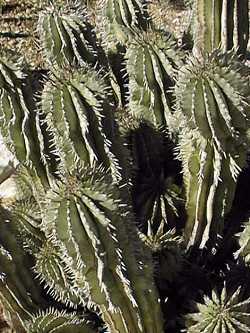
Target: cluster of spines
{"points": [[244, 243], [52, 320], [54, 272], [26, 220], [159, 240]]}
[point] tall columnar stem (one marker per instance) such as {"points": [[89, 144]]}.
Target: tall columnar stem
{"points": [[221, 24], [211, 98]]}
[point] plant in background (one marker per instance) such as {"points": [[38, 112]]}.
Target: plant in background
{"points": [[221, 24], [129, 151], [220, 313]]}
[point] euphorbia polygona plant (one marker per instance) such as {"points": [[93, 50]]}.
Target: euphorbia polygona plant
{"points": [[99, 193]]}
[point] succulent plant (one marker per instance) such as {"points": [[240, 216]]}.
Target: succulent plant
{"points": [[152, 60], [96, 236], [221, 24], [66, 35], [56, 321], [20, 292], [77, 101], [212, 112], [155, 194], [223, 312], [167, 251], [19, 122], [92, 244], [243, 239], [120, 20]]}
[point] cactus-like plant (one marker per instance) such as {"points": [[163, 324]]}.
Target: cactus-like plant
{"points": [[20, 292], [19, 123], [83, 219], [56, 321], [91, 223], [77, 101], [120, 20], [243, 239], [213, 111], [219, 313], [155, 195], [67, 36], [152, 59], [221, 24]]}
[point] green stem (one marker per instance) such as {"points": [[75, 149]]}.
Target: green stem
{"points": [[221, 24]]}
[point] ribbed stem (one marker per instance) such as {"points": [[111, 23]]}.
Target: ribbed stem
{"points": [[212, 108], [220, 24], [86, 224], [20, 123], [20, 292]]}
